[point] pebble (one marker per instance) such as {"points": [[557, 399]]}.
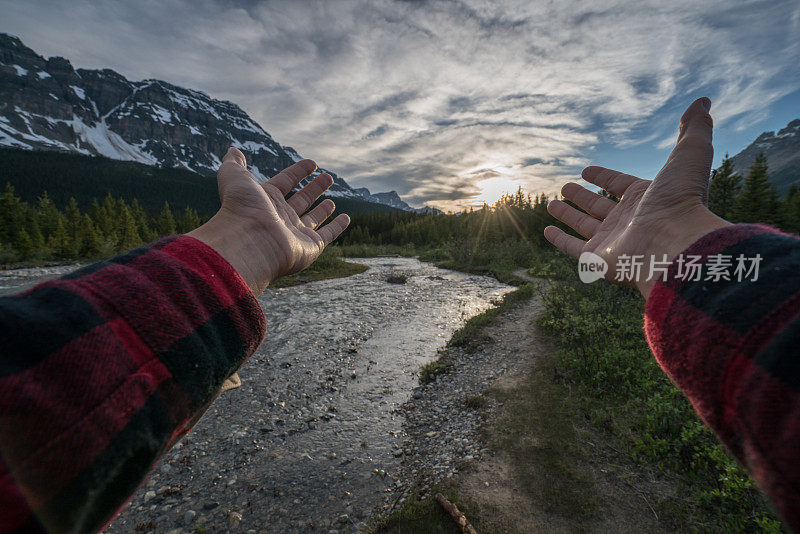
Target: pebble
{"points": [[234, 518], [189, 516], [292, 431]]}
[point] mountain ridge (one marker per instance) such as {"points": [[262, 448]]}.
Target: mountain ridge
{"points": [[782, 149], [46, 104]]}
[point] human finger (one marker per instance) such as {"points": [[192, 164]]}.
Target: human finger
{"points": [[596, 205], [235, 155], [333, 229], [564, 242], [584, 224], [694, 151], [317, 216], [288, 178], [303, 199], [614, 182]]}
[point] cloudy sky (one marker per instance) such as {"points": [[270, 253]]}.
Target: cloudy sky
{"points": [[450, 101]]}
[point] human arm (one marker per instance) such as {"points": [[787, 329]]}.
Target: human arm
{"points": [[728, 346], [103, 370]]}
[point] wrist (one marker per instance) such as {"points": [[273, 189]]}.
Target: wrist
{"points": [[678, 235], [236, 240]]}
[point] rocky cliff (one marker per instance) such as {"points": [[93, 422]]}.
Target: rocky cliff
{"points": [[782, 149], [46, 104]]}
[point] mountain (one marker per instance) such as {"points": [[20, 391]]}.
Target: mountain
{"points": [[782, 149], [393, 199], [46, 104]]}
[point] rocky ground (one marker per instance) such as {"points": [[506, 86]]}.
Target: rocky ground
{"points": [[500, 435], [15, 280], [314, 437]]}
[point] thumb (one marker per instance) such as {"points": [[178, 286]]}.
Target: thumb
{"points": [[233, 171], [689, 164], [235, 155]]}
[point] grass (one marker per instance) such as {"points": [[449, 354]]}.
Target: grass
{"points": [[420, 516], [430, 371], [374, 251], [330, 264], [471, 334], [606, 364], [535, 427], [476, 402], [397, 278], [604, 352]]}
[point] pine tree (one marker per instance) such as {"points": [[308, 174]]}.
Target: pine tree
{"points": [[89, 238], [129, 234], [23, 245], [34, 239], [723, 190], [189, 220], [790, 210], [105, 219], [73, 222], [12, 215], [758, 200], [165, 221], [58, 241], [48, 215], [142, 221]]}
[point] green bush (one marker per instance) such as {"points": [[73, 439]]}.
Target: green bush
{"points": [[604, 351]]}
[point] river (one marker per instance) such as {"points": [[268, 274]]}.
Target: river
{"points": [[313, 436]]}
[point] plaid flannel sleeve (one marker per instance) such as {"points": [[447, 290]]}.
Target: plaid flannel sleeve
{"points": [[101, 371], [733, 346]]}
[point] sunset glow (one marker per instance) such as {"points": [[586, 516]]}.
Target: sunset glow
{"points": [[493, 188]]}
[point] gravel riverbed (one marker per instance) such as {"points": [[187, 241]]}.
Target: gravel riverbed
{"points": [[315, 439]]}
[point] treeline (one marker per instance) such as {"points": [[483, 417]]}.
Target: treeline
{"points": [[753, 198], [43, 232], [85, 178], [514, 216]]}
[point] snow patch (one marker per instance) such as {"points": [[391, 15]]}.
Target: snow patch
{"points": [[78, 91], [42, 75], [251, 146], [161, 114], [53, 96], [20, 70], [258, 175]]}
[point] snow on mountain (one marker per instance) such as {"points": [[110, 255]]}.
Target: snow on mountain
{"points": [[782, 149], [392, 199], [45, 104]]}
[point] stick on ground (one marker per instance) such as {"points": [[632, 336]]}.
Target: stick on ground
{"points": [[456, 514]]}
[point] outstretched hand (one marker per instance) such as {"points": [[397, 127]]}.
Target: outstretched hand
{"points": [[652, 218], [263, 235]]}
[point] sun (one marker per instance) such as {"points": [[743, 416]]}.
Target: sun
{"points": [[494, 188]]}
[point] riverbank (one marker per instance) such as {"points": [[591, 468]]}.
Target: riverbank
{"points": [[329, 265], [502, 437], [341, 270], [526, 431], [314, 436]]}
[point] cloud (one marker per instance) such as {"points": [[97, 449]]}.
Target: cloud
{"points": [[417, 95]]}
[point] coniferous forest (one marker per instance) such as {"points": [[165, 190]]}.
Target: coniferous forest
{"points": [[57, 207]]}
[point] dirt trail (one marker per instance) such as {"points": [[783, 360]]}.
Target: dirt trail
{"points": [[548, 469]]}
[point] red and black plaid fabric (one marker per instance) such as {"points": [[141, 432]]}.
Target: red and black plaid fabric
{"points": [[734, 348], [103, 370]]}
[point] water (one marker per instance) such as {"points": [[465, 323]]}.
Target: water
{"points": [[14, 281], [313, 433]]}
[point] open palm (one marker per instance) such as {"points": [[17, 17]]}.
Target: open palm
{"points": [[284, 238], [653, 218]]}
